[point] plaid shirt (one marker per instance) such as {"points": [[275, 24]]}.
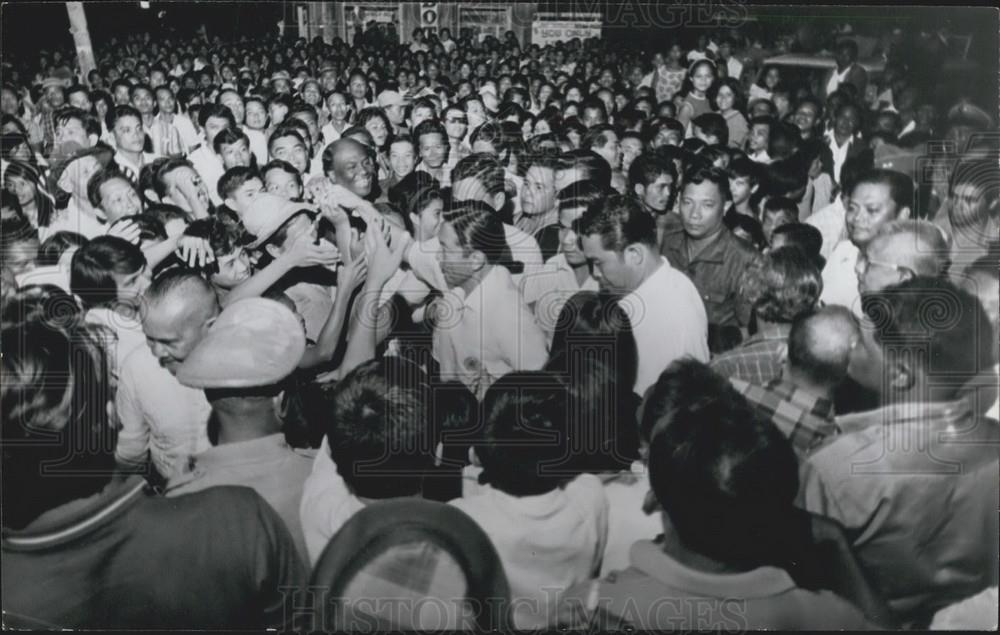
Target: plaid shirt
{"points": [[807, 420], [757, 360]]}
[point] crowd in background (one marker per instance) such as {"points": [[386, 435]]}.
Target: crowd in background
{"points": [[462, 333]]}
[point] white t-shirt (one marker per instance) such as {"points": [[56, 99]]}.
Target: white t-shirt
{"points": [[546, 543]]}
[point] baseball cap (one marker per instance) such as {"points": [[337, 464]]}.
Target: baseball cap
{"points": [[267, 213], [390, 98], [254, 342]]}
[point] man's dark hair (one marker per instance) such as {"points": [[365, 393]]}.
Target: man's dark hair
{"points": [[900, 185], [725, 477], [87, 120], [94, 265], [159, 170], [595, 168], [99, 179], [430, 126], [45, 423], [284, 166], [620, 222], [216, 111], [285, 130], [718, 176], [229, 136], [524, 434], [957, 346], [234, 178], [744, 167], [648, 167], [783, 141], [77, 88], [597, 136], [378, 430], [120, 112], [804, 237], [713, 124]]}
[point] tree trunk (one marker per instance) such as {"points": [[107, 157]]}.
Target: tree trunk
{"points": [[81, 38]]}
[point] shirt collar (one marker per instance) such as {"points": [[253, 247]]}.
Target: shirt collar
{"points": [[716, 250], [494, 285], [771, 332], [69, 521], [819, 406], [762, 582], [932, 413], [243, 452]]}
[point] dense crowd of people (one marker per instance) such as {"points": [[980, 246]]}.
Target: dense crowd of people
{"points": [[470, 334]]}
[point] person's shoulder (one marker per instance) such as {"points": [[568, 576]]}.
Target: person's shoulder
{"points": [[740, 248]]}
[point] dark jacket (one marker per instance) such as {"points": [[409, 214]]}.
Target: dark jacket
{"points": [[716, 272]]}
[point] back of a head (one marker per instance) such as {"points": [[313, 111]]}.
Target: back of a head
{"points": [[727, 479], [620, 222], [685, 384], [54, 396], [595, 325], [944, 323], [589, 164], [480, 229], [803, 236], [378, 429], [483, 167], [523, 449], [820, 345], [356, 573], [784, 285]]}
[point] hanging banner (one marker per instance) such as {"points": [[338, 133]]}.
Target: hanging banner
{"points": [[482, 21], [549, 31], [381, 13], [429, 16]]}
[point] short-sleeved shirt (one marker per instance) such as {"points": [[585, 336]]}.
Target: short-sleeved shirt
{"points": [[716, 273], [268, 465]]}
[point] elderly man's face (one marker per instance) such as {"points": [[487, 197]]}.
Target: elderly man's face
{"points": [[354, 168]]}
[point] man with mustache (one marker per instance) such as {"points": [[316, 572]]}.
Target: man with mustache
{"points": [[162, 421]]}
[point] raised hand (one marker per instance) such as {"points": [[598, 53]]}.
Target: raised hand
{"points": [[127, 231], [196, 252]]}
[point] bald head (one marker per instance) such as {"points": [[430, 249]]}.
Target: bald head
{"points": [[819, 346], [178, 310], [349, 163], [903, 249]]}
